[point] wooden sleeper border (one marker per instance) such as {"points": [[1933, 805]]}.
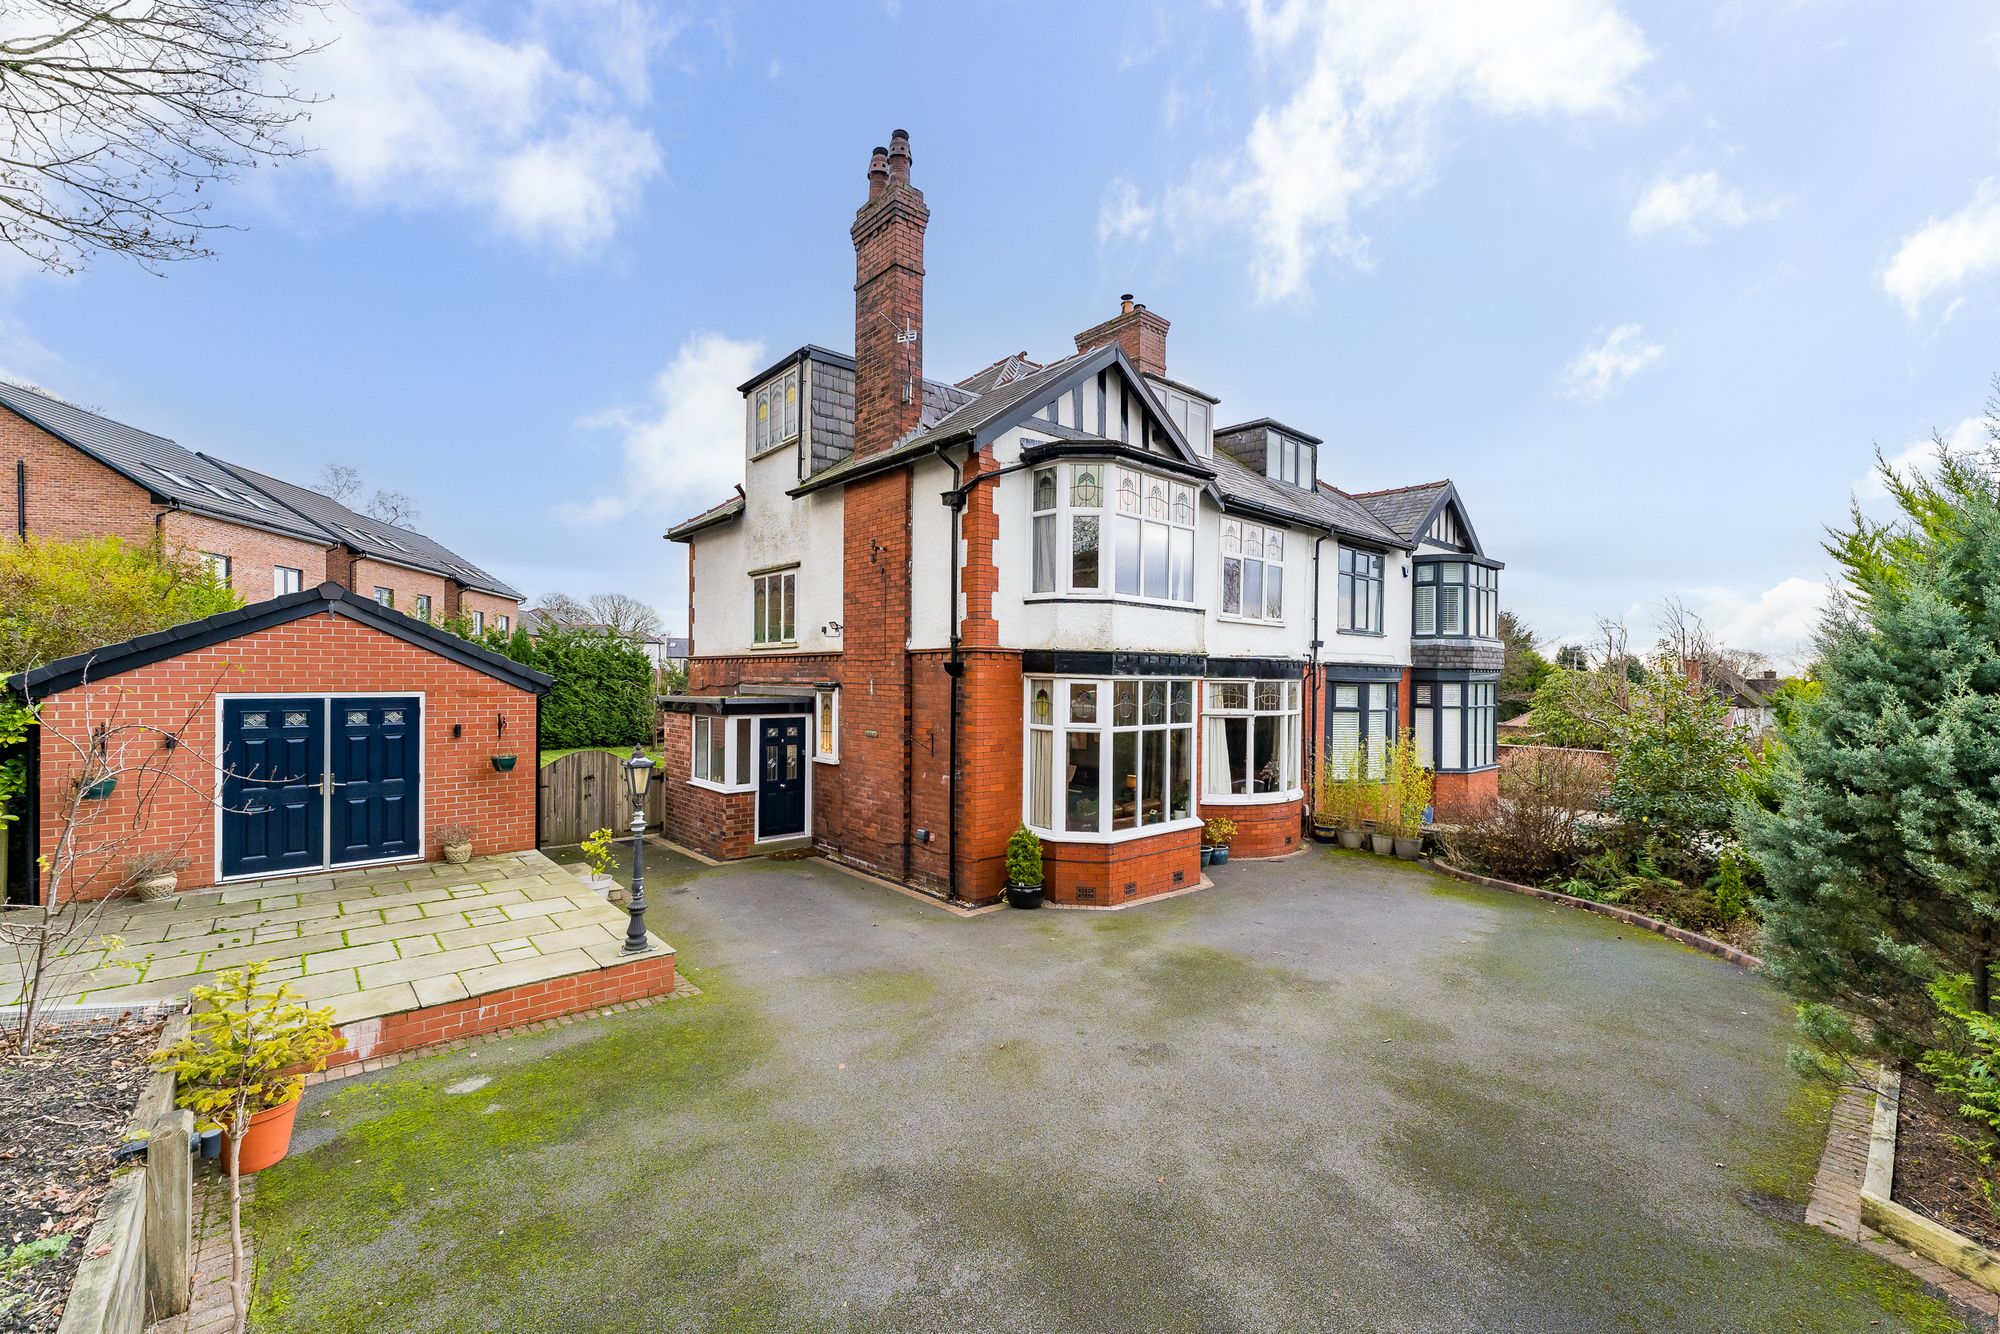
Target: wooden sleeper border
{"points": [[1925, 1236]]}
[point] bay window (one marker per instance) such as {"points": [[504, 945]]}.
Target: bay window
{"points": [[1088, 515], [1360, 589], [1253, 571], [1456, 598], [1455, 724], [1360, 721], [1109, 757], [1251, 739]]}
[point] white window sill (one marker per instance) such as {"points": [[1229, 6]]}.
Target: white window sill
{"points": [[826, 759], [1256, 798], [1119, 835], [778, 645], [719, 787], [1234, 619], [1115, 599]]}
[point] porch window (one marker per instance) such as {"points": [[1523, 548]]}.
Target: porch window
{"points": [[1360, 718], [722, 752], [1252, 739], [772, 608], [1120, 752], [1253, 571], [1360, 590], [826, 726]]}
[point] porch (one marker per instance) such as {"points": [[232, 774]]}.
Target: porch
{"points": [[407, 956]]}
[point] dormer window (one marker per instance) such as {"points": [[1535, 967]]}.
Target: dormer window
{"points": [[1289, 461], [774, 413], [1190, 414]]}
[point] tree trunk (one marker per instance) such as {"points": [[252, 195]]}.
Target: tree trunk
{"points": [[1982, 969], [239, 1296]]}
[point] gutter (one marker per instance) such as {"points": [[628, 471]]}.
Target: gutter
{"points": [[1317, 677]]}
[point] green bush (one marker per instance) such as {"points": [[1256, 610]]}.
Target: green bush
{"points": [[603, 695], [1965, 1067], [1024, 857]]}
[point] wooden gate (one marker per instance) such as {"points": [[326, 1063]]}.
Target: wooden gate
{"points": [[585, 791]]}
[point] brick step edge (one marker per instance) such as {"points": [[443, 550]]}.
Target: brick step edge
{"points": [[1692, 939]]}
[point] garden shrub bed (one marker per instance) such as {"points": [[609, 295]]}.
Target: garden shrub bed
{"points": [[67, 1106], [1938, 1169]]}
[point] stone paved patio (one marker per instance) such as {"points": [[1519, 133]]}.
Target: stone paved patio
{"points": [[368, 943]]}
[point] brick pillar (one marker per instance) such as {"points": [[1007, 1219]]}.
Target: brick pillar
{"points": [[888, 234], [979, 580]]}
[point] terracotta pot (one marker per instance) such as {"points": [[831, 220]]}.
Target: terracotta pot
{"points": [[268, 1139], [458, 854]]}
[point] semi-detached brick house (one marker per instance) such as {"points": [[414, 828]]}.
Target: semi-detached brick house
{"points": [[79, 474], [1056, 595]]}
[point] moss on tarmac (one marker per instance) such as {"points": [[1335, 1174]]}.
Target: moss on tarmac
{"points": [[1320, 1096]]}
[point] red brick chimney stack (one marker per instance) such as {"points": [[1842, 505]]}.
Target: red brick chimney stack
{"points": [[888, 235], [1139, 331]]}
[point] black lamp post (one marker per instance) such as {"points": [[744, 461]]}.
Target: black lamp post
{"points": [[638, 770]]}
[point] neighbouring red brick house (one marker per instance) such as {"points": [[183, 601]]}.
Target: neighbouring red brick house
{"points": [[1056, 595], [311, 731], [80, 474]]}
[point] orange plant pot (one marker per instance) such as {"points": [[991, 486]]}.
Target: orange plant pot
{"points": [[268, 1139]]}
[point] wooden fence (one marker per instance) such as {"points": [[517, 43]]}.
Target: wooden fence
{"points": [[583, 792]]}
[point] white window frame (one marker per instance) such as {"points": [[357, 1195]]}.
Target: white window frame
{"points": [[1065, 499], [278, 580], [1238, 705], [739, 742], [220, 565], [1351, 578], [774, 412], [785, 581], [478, 622], [1270, 542], [385, 596], [826, 718], [505, 626], [1066, 718], [1190, 414], [420, 606]]}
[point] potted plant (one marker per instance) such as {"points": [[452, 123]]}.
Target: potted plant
{"points": [[242, 1066], [1220, 831], [1326, 803], [1378, 809], [455, 840], [504, 763], [601, 854], [153, 876], [1411, 790], [1024, 869]]}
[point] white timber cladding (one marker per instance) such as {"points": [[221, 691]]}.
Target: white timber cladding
{"points": [[775, 531]]}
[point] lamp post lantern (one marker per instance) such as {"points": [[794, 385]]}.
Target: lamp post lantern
{"points": [[638, 771]]}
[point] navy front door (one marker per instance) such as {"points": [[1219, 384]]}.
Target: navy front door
{"points": [[311, 782], [781, 778], [373, 814], [273, 762]]}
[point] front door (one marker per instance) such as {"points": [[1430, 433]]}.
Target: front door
{"points": [[781, 778], [273, 767], [373, 814]]}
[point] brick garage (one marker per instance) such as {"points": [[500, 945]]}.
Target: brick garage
{"points": [[159, 696]]}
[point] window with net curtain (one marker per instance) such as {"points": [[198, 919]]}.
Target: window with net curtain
{"points": [[1107, 756], [1253, 571], [1251, 745], [1104, 529]]}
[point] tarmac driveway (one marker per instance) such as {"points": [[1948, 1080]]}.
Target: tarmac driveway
{"points": [[1331, 1093]]}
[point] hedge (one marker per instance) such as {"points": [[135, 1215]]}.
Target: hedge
{"points": [[603, 695]]}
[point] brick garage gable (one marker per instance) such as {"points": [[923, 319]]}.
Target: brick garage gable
{"points": [[318, 654]]}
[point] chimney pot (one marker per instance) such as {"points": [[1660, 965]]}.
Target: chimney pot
{"points": [[878, 172], [899, 157], [1125, 303]]}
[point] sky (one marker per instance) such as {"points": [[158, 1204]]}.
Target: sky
{"points": [[1650, 282]]}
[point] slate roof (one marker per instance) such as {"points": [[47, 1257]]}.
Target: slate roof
{"points": [[1004, 371], [166, 469], [372, 537], [204, 484], [708, 518], [1323, 507], [111, 660], [1404, 508]]}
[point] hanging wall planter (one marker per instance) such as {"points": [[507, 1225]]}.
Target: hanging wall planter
{"points": [[504, 763], [101, 789]]}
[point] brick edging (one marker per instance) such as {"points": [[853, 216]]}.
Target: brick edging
{"points": [[1692, 939]]}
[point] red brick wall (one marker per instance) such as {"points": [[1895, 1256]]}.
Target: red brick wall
{"points": [[888, 236], [876, 720], [1104, 873], [1262, 830], [468, 600], [254, 554], [319, 654], [70, 494], [367, 575], [1461, 796], [722, 825]]}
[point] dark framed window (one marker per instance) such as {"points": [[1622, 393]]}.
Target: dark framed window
{"points": [[1360, 590], [1455, 599], [1455, 723], [1360, 721]]}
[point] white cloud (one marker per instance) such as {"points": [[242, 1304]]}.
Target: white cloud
{"points": [[1919, 456], [1691, 204], [1122, 215], [23, 358], [429, 110], [1362, 122], [1946, 252], [1778, 622], [685, 449], [1618, 356]]}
